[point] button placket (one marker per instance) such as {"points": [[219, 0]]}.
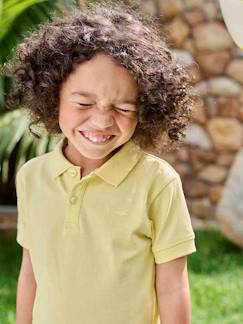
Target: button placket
{"points": [[75, 202], [73, 199], [72, 172]]}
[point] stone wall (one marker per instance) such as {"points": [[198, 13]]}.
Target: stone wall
{"points": [[197, 35]]}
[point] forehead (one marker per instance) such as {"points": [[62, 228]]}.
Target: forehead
{"points": [[104, 76]]}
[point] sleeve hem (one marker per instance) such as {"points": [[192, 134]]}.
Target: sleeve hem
{"points": [[175, 251], [22, 242]]}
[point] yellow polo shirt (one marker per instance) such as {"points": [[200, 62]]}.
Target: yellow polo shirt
{"points": [[94, 242]]}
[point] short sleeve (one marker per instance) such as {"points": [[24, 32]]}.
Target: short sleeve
{"points": [[172, 232], [23, 236]]}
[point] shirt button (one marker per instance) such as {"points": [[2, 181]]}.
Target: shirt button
{"points": [[73, 199], [72, 173]]}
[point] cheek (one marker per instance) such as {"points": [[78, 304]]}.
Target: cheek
{"points": [[67, 116], [128, 124], [62, 118]]}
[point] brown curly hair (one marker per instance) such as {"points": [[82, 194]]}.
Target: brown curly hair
{"points": [[45, 59]]}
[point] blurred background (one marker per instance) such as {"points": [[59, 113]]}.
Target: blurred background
{"points": [[210, 162]]}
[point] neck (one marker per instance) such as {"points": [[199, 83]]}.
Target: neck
{"points": [[87, 165]]}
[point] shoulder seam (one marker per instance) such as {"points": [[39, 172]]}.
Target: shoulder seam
{"points": [[161, 160], [163, 188]]}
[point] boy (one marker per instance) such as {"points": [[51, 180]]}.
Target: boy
{"points": [[104, 225]]}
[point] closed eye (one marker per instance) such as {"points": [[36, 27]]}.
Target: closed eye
{"points": [[123, 109], [126, 110]]}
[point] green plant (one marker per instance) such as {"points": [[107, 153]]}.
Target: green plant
{"points": [[17, 18]]}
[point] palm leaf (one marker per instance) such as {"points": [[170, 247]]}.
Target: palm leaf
{"points": [[15, 138], [11, 9], [17, 17], [12, 128]]}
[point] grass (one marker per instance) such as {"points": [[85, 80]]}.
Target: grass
{"points": [[10, 258], [215, 274]]}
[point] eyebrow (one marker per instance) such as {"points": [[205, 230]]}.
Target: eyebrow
{"points": [[89, 94]]}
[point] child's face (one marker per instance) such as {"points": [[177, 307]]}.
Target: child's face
{"points": [[97, 111]]}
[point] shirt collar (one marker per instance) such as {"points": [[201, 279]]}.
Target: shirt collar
{"points": [[113, 171]]}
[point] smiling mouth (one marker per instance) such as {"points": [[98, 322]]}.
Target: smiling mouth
{"points": [[96, 139]]}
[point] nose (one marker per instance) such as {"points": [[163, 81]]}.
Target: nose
{"points": [[102, 119]]}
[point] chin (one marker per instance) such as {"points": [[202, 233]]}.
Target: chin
{"points": [[98, 153], [95, 156]]}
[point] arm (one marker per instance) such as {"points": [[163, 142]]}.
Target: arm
{"points": [[26, 289], [173, 292]]}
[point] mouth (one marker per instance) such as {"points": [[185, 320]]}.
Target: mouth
{"points": [[95, 138]]}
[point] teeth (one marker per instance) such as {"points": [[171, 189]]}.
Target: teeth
{"points": [[96, 138]]}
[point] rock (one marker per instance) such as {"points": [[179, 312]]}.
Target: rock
{"points": [[201, 88], [196, 163], [211, 106], [183, 57], [169, 157], [225, 159], [226, 133], [200, 157], [198, 223], [238, 52], [201, 207], [149, 7], [183, 169], [177, 31], [8, 215], [213, 174], [212, 37], [203, 155], [194, 73], [191, 4], [189, 46], [170, 8], [213, 63], [241, 114], [229, 212], [228, 107], [212, 11], [194, 17], [222, 86], [182, 154], [241, 97], [199, 114], [196, 135], [215, 193], [194, 188], [235, 70]]}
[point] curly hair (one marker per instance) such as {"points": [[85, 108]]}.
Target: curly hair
{"points": [[45, 59]]}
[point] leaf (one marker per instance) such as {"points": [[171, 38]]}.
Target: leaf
{"points": [[11, 9]]}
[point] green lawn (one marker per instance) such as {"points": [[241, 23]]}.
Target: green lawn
{"points": [[215, 274], [216, 280]]}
